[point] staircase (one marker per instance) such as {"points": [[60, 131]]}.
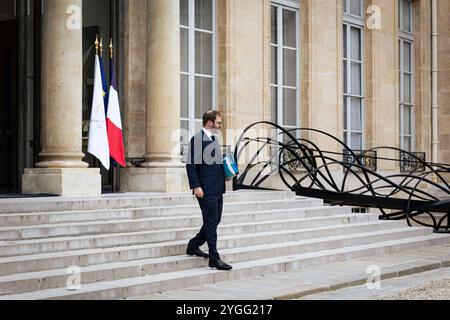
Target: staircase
{"points": [[134, 245]]}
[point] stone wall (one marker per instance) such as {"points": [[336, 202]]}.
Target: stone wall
{"points": [[244, 63], [381, 81], [422, 67], [444, 80], [244, 66], [321, 68]]}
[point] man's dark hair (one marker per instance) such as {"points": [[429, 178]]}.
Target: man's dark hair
{"points": [[211, 116]]}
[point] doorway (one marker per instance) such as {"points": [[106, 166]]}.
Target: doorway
{"points": [[8, 98], [19, 91]]}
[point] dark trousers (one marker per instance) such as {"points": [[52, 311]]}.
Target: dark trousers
{"points": [[211, 207]]}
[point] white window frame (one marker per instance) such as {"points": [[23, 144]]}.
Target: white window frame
{"points": [[406, 37], [281, 6], [352, 21], [350, 16], [288, 3], [400, 17], [194, 123]]}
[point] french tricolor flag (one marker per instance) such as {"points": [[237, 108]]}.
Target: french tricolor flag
{"points": [[114, 123]]}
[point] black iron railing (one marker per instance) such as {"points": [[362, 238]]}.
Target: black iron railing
{"points": [[412, 162], [368, 159], [313, 166]]}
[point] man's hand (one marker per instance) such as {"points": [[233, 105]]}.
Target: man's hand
{"points": [[199, 193]]}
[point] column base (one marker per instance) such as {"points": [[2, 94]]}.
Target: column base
{"points": [[158, 179], [62, 182]]}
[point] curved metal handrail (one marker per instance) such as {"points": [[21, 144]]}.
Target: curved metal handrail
{"points": [[309, 170]]}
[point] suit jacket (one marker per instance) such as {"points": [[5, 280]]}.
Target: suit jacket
{"points": [[205, 165]]}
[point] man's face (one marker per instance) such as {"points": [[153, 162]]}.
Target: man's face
{"points": [[217, 125]]}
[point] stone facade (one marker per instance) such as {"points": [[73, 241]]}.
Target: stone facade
{"points": [[444, 80], [151, 102]]}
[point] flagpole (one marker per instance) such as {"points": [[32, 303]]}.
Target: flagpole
{"points": [[97, 48], [114, 171]]}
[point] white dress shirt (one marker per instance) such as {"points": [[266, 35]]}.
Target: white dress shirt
{"points": [[208, 133]]}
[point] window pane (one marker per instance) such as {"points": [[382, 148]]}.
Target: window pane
{"points": [[407, 56], [274, 66], [406, 16], [356, 78], [184, 12], [345, 113], [184, 138], [356, 114], [198, 125], [184, 130], [355, 35], [356, 141], [407, 88], [203, 53], [274, 13], [290, 68], [345, 6], [407, 145], [274, 104], [289, 108], [203, 96], [184, 36], [203, 14], [184, 96], [345, 41], [345, 76], [355, 7], [289, 28], [407, 123]]}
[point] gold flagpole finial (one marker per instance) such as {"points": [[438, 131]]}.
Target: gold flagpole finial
{"points": [[111, 48], [101, 47], [96, 44]]}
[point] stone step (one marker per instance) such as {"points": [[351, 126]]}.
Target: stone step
{"points": [[148, 224], [26, 247], [124, 201], [57, 278], [162, 282], [36, 218], [85, 258]]}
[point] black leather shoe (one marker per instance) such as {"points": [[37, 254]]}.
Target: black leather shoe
{"points": [[197, 253], [220, 265]]}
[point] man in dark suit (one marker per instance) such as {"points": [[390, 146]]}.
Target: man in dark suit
{"points": [[207, 180]]}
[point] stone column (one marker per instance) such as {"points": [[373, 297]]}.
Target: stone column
{"points": [[162, 170], [163, 84], [61, 170]]}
